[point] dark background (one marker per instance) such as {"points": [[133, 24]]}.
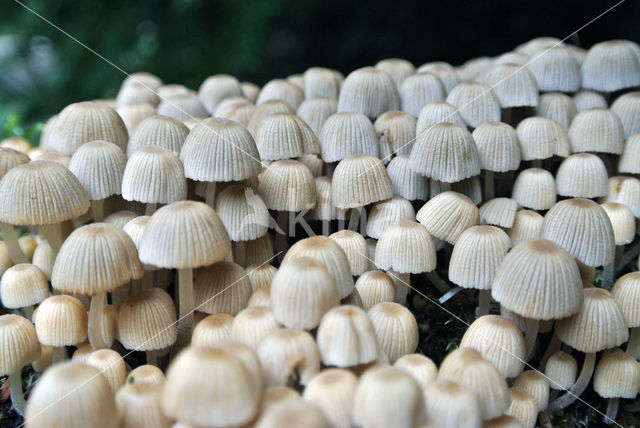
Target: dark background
{"points": [[184, 41]]}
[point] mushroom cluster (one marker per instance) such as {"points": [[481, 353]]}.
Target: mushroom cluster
{"points": [[234, 256]]}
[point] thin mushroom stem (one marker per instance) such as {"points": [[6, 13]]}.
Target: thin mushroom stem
{"points": [[450, 294], [400, 280], [612, 410], [95, 321], [489, 185], [578, 388], [150, 209], [51, 233], [241, 253], [17, 394], [326, 228], [283, 226], [13, 246], [354, 218], [210, 193], [633, 345], [552, 348], [484, 300], [97, 208], [530, 336], [438, 282], [58, 354], [186, 304]]}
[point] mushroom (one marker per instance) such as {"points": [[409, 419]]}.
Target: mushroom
{"points": [[396, 329], [212, 330], [292, 411], [320, 82], [138, 405], [437, 112], [536, 384], [582, 175], [396, 132], [222, 287], [589, 99], [596, 130], [315, 111], [500, 212], [541, 138], [626, 108], [252, 324], [452, 404], [280, 89], [626, 292], [114, 262], [617, 375], [216, 88], [332, 391], [111, 366], [526, 227], [19, 346], [368, 91], [515, 87], [146, 373], [23, 286], [555, 68], [374, 287], [260, 275], [182, 106], [620, 61], [61, 321], [534, 188], [406, 182], [523, 407], [445, 71], [285, 136], [477, 103], [420, 89], [557, 106], [161, 131]]}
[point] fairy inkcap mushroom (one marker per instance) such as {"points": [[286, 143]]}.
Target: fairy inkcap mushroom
{"points": [[368, 91]]}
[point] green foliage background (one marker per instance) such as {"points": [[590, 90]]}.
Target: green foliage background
{"points": [[42, 70]]}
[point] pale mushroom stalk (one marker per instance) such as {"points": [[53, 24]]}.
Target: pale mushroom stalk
{"points": [[578, 388], [608, 273], [612, 410], [17, 394], [633, 346], [95, 321], [447, 296], [283, 226], [401, 281], [58, 354], [628, 256], [484, 300], [150, 209], [354, 218], [210, 193], [326, 228], [438, 282], [186, 303], [11, 239], [51, 233], [97, 208], [489, 185], [530, 336]]}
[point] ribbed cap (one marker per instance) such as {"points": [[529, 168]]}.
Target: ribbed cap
{"points": [[555, 69], [445, 71], [385, 213], [513, 84], [139, 405], [289, 357], [476, 102], [445, 152], [498, 146], [221, 287], [622, 222], [252, 324], [287, 185], [332, 391], [499, 212], [610, 66], [420, 89], [154, 175], [347, 133], [212, 330], [61, 321], [368, 91], [285, 136], [40, 193], [243, 213], [582, 175], [147, 321], [406, 247], [396, 132], [18, 343], [447, 215], [355, 248], [589, 99], [407, 183], [536, 384], [626, 292], [398, 69], [561, 369], [374, 287], [630, 159], [216, 88], [559, 107], [82, 122], [627, 108], [360, 180], [321, 82], [133, 114], [182, 107], [523, 407], [624, 190], [99, 166], [617, 374], [315, 111], [449, 404], [255, 251], [197, 238], [541, 138], [10, 158], [24, 285], [159, 131], [469, 368], [265, 110], [599, 324], [396, 329], [539, 280], [437, 112], [146, 373], [280, 89], [476, 256], [535, 188], [134, 92], [583, 228], [596, 130]]}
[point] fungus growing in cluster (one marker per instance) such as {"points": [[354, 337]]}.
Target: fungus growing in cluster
{"points": [[626, 292], [282, 90], [616, 376], [610, 66], [182, 106], [214, 89], [285, 136], [447, 215], [596, 130], [355, 248], [288, 357], [559, 107], [368, 91], [375, 287], [315, 111], [420, 89], [332, 391], [320, 82], [23, 286], [437, 112], [452, 404], [222, 287], [396, 133], [406, 182], [212, 330], [535, 188], [582, 175], [396, 329]]}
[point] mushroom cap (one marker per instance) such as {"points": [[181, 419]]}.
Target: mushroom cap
{"points": [[617, 374], [288, 357], [536, 384], [99, 166], [321, 82], [154, 175], [628, 162], [147, 321], [18, 343], [292, 412], [54, 400], [447, 215], [561, 370], [216, 88], [396, 131], [467, 367], [399, 69], [583, 228], [120, 218], [375, 286], [146, 373], [445, 152], [134, 113], [589, 99], [406, 182], [95, 258], [582, 175], [252, 324], [626, 292], [614, 59], [330, 254], [420, 89], [499, 212], [542, 138], [255, 251], [221, 287], [597, 326], [198, 237], [540, 280], [220, 150], [243, 213], [437, 112], [23, 285], [476, 102], [260, 275], [624, 190], [406, 247], [332, 391], [346, 337], [559, 107], [345, 134], [182, 106], [43, 258], [535, 188], [452, 404], [161, 131], [514, 85], [287, 185], [396, 329], [10, 158], [315, 111], [627, 108], [82, 122], [40, 193], [61, 321], [265, 110], [596, 130], [622, 222], [285, 136], [368, 91], [476, 256], [523, 407], [445, 71], [138, 404], [385, 213], [212, 330], [111, 366], [302, 291], [280, 89], [555, 68], [323, 209], [421, 368], [498, 146], [224, 397], [355, 248]]}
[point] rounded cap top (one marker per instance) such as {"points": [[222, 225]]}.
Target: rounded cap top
{"points": [[18, 343]]}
